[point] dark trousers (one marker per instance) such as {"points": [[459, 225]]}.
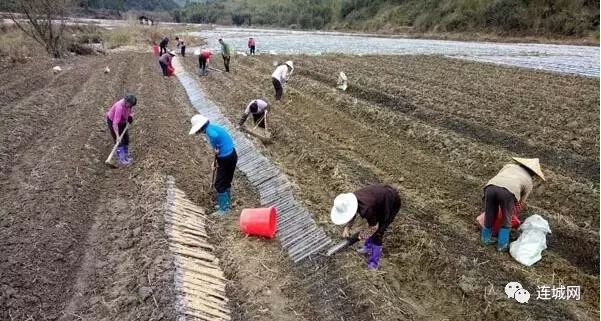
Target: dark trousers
{"points": [[226, 166], [226, 63], [259, 119], [495, 197], [125, 139], [252, 50], [279, 90], [163, 50], [183, 51], [393, 204], [202, 64], [163, 67]]}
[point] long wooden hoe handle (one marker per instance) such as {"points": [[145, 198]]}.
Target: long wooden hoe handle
{"points": [[108, 160]]}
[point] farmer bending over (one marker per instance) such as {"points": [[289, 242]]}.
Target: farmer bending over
{"points": [[225, 156], [117, 118], [280, 76], [508, 190], [259, 109], [165, 62], [203, 61], [379, 205]]}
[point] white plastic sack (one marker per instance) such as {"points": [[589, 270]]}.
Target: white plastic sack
{"points": [[528, 247], [342, 83]]}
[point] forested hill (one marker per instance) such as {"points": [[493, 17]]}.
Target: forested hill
{"points": [[150, 5], [505, 17]]}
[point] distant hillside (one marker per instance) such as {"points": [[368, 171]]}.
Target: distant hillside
{"points": [[150, 5], [504, 17]]}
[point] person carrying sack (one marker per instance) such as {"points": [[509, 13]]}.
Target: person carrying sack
{"points": [[378, 204], [259, 109], [508, 190], [121, 113], [225, 155], [280, 76]]}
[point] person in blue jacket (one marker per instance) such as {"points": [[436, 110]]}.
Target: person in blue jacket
{"points": [[225, 156]]}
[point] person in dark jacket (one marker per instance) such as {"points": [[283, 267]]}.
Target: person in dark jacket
{"points": [[163, 44], [378, 204]]}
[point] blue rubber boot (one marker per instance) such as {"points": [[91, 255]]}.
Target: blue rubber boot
{"points": [[224, 203], [503, 240], [486, 237]]}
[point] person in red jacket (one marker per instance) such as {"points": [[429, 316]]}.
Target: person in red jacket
{"points": [[203, 61], [251, 45]]}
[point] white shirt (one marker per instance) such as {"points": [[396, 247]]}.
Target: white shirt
{"points": [[261, 106], [280, 73]]}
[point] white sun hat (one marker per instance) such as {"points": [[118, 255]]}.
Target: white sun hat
{"points": [[344, 209], [171, 52], [289, 64], [197, 122]]}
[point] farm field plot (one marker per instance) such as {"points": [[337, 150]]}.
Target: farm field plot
{"points": [[82, 241], [438, 129]]}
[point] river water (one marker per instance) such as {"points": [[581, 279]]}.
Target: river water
{"points": [[579, 60]]}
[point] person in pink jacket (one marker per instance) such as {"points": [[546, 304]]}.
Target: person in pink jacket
{"points": [[121, 113]]}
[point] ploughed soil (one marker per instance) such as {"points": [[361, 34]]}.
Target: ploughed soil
{"points": [[437, 129], [83, 241]]}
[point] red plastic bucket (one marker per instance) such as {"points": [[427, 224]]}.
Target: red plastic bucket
{"points": [[155, 50], [259, 221]]}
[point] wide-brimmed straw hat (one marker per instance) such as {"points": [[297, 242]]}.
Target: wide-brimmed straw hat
{"points": [[171, 52], [290, 64], [344, 209], [198, 121], [532, 164]]}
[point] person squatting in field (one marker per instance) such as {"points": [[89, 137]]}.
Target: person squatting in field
{"points": [[121, 113], [508, 190], [226, 53], [259, 109], [225, 157], [280, 76], [165, 62], [378, 204], [203, 61]]}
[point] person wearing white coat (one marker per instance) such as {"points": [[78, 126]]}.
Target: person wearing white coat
{"points": [[280, 76]]}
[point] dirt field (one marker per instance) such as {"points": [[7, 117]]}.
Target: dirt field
{"points": [[438, 129], [85, 242]]}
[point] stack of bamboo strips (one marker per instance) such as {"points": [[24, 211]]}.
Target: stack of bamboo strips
{"points": [[199, 282]]}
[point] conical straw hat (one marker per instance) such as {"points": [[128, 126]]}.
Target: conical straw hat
{"points": [[531, 163]]}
